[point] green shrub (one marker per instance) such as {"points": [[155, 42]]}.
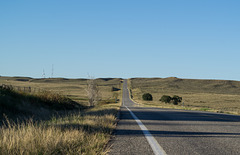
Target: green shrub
{"points": [[176, 99], [165, 99], [147, 97], [115, 89]]}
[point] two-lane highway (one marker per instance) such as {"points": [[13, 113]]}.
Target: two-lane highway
{"points": [[174, 131]]}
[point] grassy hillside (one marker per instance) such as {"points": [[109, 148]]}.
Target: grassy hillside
{"points": [[72, 88], [21, 105], [50, 116], [213, 95]]}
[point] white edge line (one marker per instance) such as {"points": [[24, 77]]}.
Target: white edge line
{"points": [[157, 149]]}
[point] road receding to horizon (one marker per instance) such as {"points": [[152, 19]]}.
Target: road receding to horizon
{"points": [[177, 132]]}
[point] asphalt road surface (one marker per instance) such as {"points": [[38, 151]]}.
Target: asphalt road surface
{"points": [[180, 132]]}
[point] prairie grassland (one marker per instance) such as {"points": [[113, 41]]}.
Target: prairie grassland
{"points": [[206, 95], [69, 131], [78, 133], [72, 88]]}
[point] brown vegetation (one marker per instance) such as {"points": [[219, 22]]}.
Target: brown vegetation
{"points": [[211, 95], [49, 122]]}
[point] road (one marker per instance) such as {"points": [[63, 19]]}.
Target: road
{"points": [[177, 132]]}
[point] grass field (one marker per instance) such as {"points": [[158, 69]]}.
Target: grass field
{"points": [[206, 95], [73, 88], [57, 129]]}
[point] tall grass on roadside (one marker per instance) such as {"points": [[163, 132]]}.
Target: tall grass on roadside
{"points": [[86, 131], [73, 134], [17, 101]]}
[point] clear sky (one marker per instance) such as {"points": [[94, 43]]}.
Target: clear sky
{"points": [[120, 38]]}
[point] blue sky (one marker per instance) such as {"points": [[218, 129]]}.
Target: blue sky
{"points": [[127, 38]]}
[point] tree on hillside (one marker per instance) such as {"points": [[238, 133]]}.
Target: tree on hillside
{"points": [[168, 99], [147, 97], [176, 99], [92, 92], [165, 99]]}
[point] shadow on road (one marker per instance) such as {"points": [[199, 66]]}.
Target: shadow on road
{"points": [[179, 134], [175, 115]]}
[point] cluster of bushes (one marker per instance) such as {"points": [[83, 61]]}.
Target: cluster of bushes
{"points": [[165, 98], [168, 99]]}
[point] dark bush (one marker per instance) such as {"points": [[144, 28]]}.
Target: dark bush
{"points": [[115, 89], [130, 90], [147, 97], [165, 99], [176, 99]]}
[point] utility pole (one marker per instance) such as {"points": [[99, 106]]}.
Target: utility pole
{"points": [[44, 75], [52, 71]]}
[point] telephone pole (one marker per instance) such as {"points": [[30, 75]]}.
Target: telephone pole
{"points": [[52, 71], [44, 75]]}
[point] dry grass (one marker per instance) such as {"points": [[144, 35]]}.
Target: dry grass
{"points": [[22, 105], [84, 132], [207, 95], [69, 132], [81, 133], [73, 88]]}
